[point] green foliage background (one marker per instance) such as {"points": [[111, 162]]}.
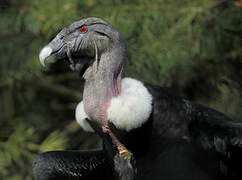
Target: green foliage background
{"points": [[191, 46]]}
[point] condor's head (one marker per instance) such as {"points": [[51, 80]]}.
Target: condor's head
{"points": [[83, 42]]}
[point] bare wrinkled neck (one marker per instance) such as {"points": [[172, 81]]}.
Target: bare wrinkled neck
{"points": [[102, 84]]}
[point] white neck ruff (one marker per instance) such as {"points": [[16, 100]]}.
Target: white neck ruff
{"points": [[128, 111]]}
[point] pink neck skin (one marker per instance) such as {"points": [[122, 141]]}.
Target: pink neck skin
{"points": [[104, 83], [115, 93], [97, 97]]}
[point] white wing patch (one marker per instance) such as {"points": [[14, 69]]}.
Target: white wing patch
{"points": [[81, 118], [132, 108], [128, 111]]}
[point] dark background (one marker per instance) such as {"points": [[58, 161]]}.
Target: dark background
{"points": [[191, 46]]}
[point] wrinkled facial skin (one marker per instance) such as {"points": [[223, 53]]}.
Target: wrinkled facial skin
{"points": [[76, 44]]}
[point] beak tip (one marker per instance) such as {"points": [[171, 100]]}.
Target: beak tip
{"points": [[44, 54], [42, 63]]}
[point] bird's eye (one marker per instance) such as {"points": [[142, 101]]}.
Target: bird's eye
{"points": [[83, 29]]}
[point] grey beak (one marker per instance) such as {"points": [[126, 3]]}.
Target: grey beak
{"points": [[53, 51], [45, 55]]}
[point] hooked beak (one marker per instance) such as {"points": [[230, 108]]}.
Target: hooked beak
{"points": [[49, 54], [56, 50], [45, 55], [53, 51]]}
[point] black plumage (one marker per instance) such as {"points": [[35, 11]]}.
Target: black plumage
{"points": [[74, 165], [181, 140]]}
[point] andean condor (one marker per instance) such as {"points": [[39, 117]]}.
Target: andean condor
{"points": [[147, 132]]}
